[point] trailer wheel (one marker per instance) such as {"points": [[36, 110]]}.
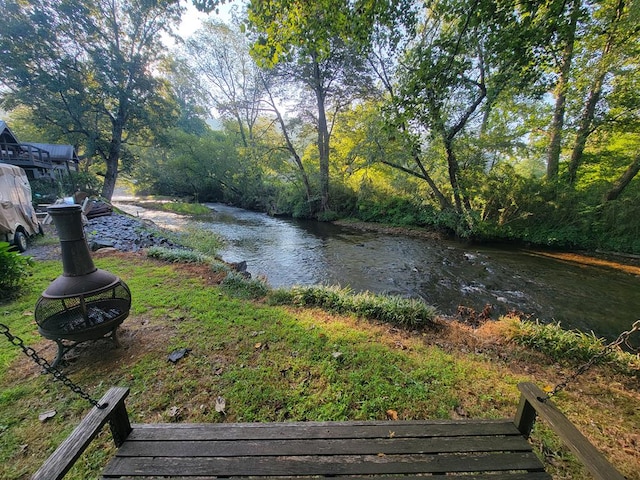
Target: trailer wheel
{"points": [[20, 241]]}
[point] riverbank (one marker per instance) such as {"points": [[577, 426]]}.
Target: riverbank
{"points": [[283, 363], [618, 261]]}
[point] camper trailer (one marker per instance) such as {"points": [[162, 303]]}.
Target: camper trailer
{"points": [[18, 221]]}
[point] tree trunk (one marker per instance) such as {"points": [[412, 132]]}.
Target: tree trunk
{"points": [[453, 167], [555, 143], [290, 147], [623, 181], [586, 119], [113, 158], [584, 128], [323, 139]]}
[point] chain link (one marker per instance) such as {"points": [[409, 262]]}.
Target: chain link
{"points": [[57, 374], [622, 338]]}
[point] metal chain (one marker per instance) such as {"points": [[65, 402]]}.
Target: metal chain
{"points": [[57, 374], [622, 338]]}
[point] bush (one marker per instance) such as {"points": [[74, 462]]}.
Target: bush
{"points": [[571, 346], [386, 308], [176, 255], [15, 269], [236, 285]]}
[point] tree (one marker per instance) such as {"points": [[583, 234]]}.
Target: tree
{"points": [[230, 77], [318, 44], [86, 68], [467, 55], [611, 49], [567, 40]]}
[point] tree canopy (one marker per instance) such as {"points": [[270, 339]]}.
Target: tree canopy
{"points": [[86, 69]]}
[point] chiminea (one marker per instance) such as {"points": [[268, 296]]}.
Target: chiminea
{"points": [[84, 303]]}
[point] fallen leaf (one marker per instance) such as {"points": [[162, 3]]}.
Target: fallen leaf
{"points": [[27, 313], [336, 355], [461, 411], [174, 411], [44, 416], [392, 415], [392, 434], [257, 346], [381, 454], [220, 405]]}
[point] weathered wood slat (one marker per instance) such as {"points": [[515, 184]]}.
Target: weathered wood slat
{"points": [[482, 476], [311, 430], [595, 462], [321, 465], [359, 446], [59, 463]]}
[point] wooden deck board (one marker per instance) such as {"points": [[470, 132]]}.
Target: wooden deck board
{"points": [[310, 449], [388, 450]]}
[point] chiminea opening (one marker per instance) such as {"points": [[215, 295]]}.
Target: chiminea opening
{"points": [[84, 303]]}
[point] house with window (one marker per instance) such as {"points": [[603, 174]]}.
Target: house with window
{"points": [[38, 160]]}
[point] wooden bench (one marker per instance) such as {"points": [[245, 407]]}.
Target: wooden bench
{"points": [[306, 449]]}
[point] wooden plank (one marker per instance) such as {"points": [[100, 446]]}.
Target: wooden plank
{"points": [[360, 446], [301, 430], [59, 463], [490, 476], [595, 462], [320, 465]]}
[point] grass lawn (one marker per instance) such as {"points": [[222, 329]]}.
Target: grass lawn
{"points": [[278, 363]]}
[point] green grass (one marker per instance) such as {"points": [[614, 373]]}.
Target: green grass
{"points": [[269, 362], [199, 239], [186, 208], [570, 345], [387, 308]]}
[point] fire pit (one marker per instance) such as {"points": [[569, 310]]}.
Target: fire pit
{"points": [[84, 303]]}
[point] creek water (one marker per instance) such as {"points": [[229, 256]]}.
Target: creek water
{"points": [[443, 273]]}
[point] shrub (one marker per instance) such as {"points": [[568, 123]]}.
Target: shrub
{"points": [[15, 269], [235, 284], [386, 308], [568, 345], [177, 255]]}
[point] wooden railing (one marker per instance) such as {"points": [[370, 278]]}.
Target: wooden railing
{"points": [[533, 402]]}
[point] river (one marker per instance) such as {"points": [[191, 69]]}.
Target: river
{"points": [[566, 289]]}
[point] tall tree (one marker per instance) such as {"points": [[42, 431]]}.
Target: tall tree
{"points": [[87, 69], [220, 55], [466, 55], [610, 47], [567, 34], [318, 44]]}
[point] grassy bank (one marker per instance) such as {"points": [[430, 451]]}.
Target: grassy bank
{"points": [[277, 362]]}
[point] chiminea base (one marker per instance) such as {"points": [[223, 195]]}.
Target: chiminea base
{"points": [[65, 345]]}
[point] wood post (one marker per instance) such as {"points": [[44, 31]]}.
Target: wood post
{"points": [[59, 463], [533, 399]]}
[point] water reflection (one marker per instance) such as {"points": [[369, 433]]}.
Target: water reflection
{"points": [[447, 274]]}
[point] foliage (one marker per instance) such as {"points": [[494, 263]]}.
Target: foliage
{"points": [[237, 285], [570, 346], [15, 270], [84, 68], [186, 208], [392, 309]]}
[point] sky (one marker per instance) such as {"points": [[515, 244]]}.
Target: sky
{"points": [[192, 19]]}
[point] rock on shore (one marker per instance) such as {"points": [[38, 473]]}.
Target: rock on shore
{"points": [[124, 233]]}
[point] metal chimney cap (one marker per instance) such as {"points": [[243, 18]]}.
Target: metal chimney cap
{"points": [[94, 282]]}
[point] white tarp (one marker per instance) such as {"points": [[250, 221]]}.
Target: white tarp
{"points": [[15, 201]]}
